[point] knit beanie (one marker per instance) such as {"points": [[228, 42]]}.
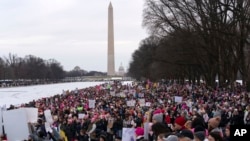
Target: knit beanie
{"points": [[180, 121], [158, 117], [139, 131]]}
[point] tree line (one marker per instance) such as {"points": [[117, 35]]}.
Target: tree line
{"points": [[194, 40], [34, 68]]}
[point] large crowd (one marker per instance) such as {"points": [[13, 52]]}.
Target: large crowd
{"points": [[151, 109]]}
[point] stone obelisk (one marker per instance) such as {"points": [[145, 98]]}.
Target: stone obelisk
{"points": [[111, 54]]}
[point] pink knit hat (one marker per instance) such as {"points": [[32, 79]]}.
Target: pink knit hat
{"points": [[139, 131]]}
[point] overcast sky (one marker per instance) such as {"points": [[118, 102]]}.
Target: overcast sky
{"points": [[73, 32]]}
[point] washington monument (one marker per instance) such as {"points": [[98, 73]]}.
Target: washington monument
{"points": [[111, 55]]}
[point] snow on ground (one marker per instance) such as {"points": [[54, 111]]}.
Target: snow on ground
{"points": [[20, 95]]}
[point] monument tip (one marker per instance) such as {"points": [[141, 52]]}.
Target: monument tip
{"points": [[110, 4]]}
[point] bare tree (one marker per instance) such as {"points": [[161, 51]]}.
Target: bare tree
{"points": [[222, 28]]}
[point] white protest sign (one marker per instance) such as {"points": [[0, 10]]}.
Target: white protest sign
{"points": [[32, 114], [81, 116], [128, 103], [48, 116], [178, 99], [131, 103], [141, 95], [142, 102], [91, 103], [148, 104], [15, 124], [128, 134]]}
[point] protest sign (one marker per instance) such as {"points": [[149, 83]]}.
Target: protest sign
{"points": [[32, 114], [48, 116], [178, 99], [81, 116], [91, 103], [128, 134], [142, 102], [15, 124]]}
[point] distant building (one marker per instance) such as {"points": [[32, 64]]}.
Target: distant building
{"points": [[121, 71], [77, 68]]}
